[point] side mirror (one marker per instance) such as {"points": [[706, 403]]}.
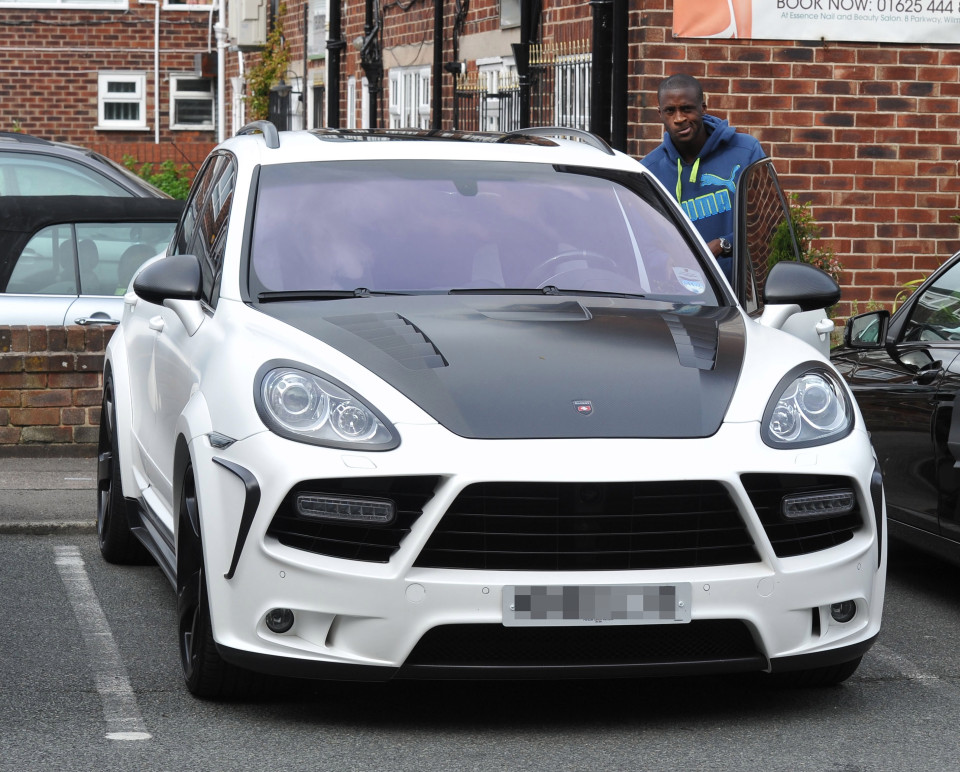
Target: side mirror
{"points": [[800, 284], [866, 330], [175, 277]]}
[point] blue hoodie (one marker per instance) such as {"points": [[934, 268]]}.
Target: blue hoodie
{"points": [[705, 188]]}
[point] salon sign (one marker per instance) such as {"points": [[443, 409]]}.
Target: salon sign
{"points": [[878, 21]]}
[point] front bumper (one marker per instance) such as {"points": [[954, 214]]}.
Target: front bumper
{"points": [[364, 620]]}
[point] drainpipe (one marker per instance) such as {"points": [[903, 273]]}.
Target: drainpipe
{"points": [[156, 67], [335, 44], [437, 64], [221, 32]]}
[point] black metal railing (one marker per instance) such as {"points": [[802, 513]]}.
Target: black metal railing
{"points": [[559, 92]]}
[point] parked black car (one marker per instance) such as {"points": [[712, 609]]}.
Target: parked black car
{"points": [[904, 370], [31, 166]]}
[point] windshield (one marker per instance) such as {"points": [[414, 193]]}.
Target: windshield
{"points": [[437, 226]]}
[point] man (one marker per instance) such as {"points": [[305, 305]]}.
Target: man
{"points": [[700, 160]]}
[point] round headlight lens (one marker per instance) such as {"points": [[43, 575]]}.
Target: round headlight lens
{"points": [[812, 409], [353, 421], [296, 400]]}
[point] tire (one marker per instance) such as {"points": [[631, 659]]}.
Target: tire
{"points": [[206, 673], [817, 677], [117, 542]]}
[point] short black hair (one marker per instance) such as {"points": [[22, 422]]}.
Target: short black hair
{"points": [[678, 81]]}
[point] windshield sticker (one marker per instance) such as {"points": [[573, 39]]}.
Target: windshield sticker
{"points": [[692, 281]]}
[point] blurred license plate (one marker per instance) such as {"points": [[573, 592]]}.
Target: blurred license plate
{"points": [[619, 604]]}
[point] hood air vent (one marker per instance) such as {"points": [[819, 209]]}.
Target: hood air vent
{"points": [[396, 336]]}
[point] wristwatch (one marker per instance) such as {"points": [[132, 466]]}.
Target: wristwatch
{"points": [[726, 248]]}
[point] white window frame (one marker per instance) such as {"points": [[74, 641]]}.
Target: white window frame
{"points": [[364, 103], [204, 95], [352, 102], [138, 96], [87, 5], [409, 103]]}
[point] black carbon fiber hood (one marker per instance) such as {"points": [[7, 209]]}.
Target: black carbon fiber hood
{"points": [[498, 367]]}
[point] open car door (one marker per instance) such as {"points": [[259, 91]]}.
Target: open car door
{"points": [[762, 218]]}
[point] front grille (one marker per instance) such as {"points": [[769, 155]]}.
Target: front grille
{"points": [[800, 537], [589, 526], [371, 543], [493, 645]]}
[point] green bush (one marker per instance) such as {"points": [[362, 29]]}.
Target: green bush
{"points": [[806, 231], [171, 179]]}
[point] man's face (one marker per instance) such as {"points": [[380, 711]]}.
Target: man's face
{"points": [[682, 117]]}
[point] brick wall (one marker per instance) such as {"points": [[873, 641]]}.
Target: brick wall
{"points": [[50, 60], [869, 134], [50, 388]]}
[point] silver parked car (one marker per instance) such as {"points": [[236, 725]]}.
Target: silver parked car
{"points": [[69, 259]]}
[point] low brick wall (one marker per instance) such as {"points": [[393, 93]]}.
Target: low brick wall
{"points": [[50, 389]]}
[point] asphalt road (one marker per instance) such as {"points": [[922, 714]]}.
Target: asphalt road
{"points": [[90, 679]]}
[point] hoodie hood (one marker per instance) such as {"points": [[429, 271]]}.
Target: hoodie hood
{"points": [[495, 368]]}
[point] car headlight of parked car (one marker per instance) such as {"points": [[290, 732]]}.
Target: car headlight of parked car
{"points": [[809, 407], [303, 406]]}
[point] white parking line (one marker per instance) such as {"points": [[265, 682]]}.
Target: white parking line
{"points": [[903, 666], [119, 702]]}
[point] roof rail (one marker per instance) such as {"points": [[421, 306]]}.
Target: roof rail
{"points": [[563, 131], [270, 134]]}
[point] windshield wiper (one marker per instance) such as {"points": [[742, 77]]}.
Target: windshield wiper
{"points": [[359, 292], [549, 289]]}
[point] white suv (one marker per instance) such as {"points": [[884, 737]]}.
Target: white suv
{"points": [[429, 404]]}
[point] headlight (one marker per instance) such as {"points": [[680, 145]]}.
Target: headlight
{"points": [[303, 406], [809, 407]]}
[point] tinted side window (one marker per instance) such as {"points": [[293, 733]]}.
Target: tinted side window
{"points": [[213, 209], [935, 316]]}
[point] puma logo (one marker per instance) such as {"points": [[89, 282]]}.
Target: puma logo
{"points": [[713, 179]]}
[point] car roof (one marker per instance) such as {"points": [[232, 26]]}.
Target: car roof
{"points": [[28, 214], [261, 143], [17, 142], [23, 216]]}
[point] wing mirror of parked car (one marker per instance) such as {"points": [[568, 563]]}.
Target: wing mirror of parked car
{"points": [[175, 282], [176, 277], [867, 330], [800, 284]]}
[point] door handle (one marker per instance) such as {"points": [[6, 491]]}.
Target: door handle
{"points": [[156, 323]]}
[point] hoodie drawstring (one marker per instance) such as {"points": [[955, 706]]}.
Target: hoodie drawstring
{"points": [[693, 173]]}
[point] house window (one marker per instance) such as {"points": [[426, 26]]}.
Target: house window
{"points": [[409, 97], [121, 100], [509, 13], [84, 4], [192, 5], [317, 32], [191, 102]]}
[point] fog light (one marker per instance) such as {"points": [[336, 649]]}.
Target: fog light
{"points": [[844, 611], [812, 505], [346, 509], [279, 620]]}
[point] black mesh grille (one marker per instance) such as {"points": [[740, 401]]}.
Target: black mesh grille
{"points": [[374, 544], [800, 537], [589, 526], [492, 645]]}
